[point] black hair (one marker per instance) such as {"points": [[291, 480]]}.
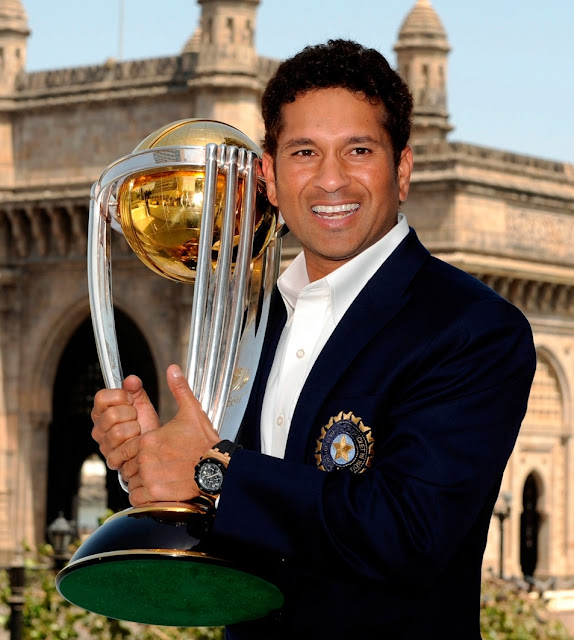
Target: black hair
{"points": [[340, 64]]}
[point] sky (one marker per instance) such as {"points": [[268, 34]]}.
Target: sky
{"points": [[510, 81]]}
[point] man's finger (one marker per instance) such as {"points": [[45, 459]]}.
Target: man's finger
{"points": [[126, 451], [129, 468], [106, 398], [147, 415]]}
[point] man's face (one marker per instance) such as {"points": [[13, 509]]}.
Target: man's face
{"points": [[334, 178]]}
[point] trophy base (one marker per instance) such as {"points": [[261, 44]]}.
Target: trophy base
{"points": [[120, 573]]}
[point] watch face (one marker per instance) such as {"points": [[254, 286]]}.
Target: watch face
{"points": [[210, 476]]}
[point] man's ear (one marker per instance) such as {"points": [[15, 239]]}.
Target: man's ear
{"points": [[268, 167], [404, 172]]}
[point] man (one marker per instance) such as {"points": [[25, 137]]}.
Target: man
{"points": [[389, 394]]}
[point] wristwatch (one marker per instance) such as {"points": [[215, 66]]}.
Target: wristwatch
{"points": [[211, 468]]}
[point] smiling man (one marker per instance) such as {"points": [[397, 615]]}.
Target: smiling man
{"points": [[334, 175], [388, 397]]}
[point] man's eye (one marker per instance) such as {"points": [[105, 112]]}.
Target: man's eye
{"points": [[360, 151], [303, 152]]}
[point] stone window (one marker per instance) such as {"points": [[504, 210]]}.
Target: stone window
{"points": [[230, 26], [545, 405]]}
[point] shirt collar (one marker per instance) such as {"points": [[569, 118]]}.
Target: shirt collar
{"points": [[345, 283]]}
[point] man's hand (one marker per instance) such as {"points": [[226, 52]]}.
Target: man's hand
{"points": [[160, 464], [120, 416]]}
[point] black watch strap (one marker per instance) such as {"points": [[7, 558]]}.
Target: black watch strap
{"points": [[226, 447]]}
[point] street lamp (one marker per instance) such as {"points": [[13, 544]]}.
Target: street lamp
{"points": [[502, 513], [60, 535]]}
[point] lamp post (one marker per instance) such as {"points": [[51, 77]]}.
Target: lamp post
{"points": [[502, 513], [60, 535], [17, 577]]}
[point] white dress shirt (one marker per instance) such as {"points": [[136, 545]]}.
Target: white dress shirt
{"points": [[313, 311]]}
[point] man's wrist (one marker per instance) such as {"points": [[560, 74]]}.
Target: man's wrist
{"points": [[211, 469]]}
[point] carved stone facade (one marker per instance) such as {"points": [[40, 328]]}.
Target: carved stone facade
{"points": [[506, 218]]}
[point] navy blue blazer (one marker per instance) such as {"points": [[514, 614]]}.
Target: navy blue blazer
{"points": [[439, 367]]}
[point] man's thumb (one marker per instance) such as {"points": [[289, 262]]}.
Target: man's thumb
{"points": [[179, 387]]}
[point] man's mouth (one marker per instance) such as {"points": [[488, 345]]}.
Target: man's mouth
{"points": [[336, 211]]}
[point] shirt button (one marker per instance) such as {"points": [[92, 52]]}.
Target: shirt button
{"points": [[280, 421], [300, 353]]}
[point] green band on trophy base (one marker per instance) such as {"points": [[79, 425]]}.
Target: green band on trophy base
{"points": [[169, 591]]}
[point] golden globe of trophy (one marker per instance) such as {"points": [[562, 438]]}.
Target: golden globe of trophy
{"points": [[191, 203]]}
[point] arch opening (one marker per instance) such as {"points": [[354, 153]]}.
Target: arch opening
{"points": [[530, 520], [70, 445]]}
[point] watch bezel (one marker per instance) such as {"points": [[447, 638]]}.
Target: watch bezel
{"points": [[202, 463]]}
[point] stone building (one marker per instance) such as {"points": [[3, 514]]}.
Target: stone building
{"points": [[504, 217]]}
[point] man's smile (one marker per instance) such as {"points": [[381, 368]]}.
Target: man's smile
{"points": [[336, 211]]}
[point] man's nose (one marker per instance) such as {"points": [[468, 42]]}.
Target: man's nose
{"points": [[332, 174]]}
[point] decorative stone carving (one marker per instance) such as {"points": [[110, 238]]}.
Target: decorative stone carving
{"points": [[52, 229], [533, 296]]}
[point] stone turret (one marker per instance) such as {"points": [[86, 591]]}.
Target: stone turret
{"points": [[422, 52], [227, 80], [227, 43], [13, 36]]}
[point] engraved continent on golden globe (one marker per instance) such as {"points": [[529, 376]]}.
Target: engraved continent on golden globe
{"points": [[160, 210]]}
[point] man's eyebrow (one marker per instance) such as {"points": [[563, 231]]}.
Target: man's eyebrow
{"points": [[305, 142], [298, 142], [363, 140]]}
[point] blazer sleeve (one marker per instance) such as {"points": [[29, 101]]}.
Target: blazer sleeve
{"points": [[450, 426]]}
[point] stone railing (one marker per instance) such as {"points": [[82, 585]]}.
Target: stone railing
{"points": [[74, 79], [267, 66], [109, 72], [438, 152]]}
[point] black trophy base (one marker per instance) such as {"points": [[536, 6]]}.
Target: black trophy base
{"points": [[148, 565]]}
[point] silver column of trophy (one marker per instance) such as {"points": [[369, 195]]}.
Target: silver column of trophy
{"points": [[191, 202]]}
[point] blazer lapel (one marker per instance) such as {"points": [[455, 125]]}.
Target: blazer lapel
{"points": [[380, 300]]}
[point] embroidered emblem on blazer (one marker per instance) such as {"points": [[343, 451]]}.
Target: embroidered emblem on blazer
{"points": [[345, 443]]}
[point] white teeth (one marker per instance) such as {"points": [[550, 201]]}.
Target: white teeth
{"points": [[330, 211]]}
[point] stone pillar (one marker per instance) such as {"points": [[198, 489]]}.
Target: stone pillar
{"points": [[568, 442], [11, 532]]}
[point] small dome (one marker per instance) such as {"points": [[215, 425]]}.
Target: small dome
{"points": [[13, 16], [423, 24], [192, 45]]}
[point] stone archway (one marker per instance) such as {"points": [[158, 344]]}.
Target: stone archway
{"points": [[77, 379], [530, 524], [92, 499]]}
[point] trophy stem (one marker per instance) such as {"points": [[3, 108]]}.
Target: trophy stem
{"points": [[100, 292], [222, 305], [195, 357], [239, 293], [221, 296]]}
